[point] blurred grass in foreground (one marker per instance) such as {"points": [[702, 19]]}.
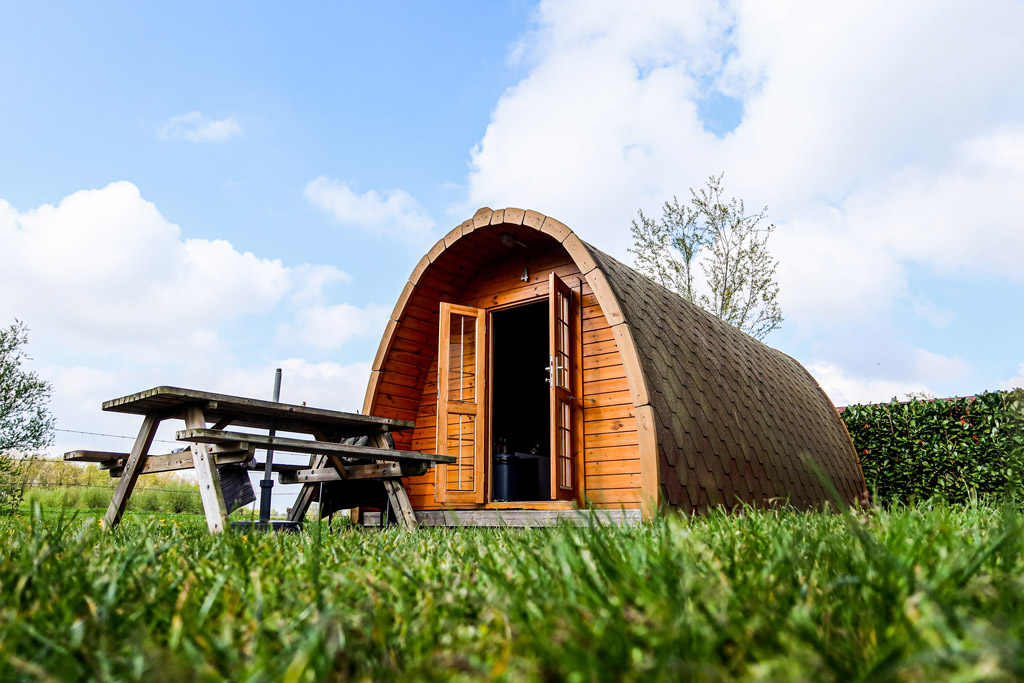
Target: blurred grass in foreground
{"points": [[909, 594]]}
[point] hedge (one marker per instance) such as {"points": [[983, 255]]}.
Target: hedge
{"points": [[951, 448]]}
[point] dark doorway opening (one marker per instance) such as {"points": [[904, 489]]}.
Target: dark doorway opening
{"points": [[520, 410]]}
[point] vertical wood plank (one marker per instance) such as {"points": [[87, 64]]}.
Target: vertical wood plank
{"points": [[649, 461], [206, 475], [132, 469], [579, 466], [443, 362]]}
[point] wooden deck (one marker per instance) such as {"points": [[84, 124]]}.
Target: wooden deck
{"points": [[516, 518]]}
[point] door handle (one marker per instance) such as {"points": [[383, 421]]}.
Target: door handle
{"points": [[555, 365]]}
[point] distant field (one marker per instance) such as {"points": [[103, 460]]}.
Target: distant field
{"points": [[914, 594]]}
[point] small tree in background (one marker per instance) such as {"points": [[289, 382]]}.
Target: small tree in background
{"points": [[25, 422], [738, 270]]}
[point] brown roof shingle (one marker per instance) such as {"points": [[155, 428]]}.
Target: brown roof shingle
{"points": [[736, 421]]}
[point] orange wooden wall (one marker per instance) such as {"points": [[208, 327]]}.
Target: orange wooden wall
{"points": [[407, 384]]}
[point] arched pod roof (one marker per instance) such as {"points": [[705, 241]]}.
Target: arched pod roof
{"points": [[722, 418]]}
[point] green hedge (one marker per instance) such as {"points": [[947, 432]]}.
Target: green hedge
{"points": [[953, 449]]}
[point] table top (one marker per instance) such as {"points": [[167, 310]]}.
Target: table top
{"points": [[170, 402]]}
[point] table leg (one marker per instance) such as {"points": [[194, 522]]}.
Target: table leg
{"points": [[305, 497], [397, 494], [132, 469], [206, 475]]}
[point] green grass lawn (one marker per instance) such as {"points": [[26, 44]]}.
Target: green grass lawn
{"points": [[915, 594]]}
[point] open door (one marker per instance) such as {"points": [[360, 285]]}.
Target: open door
{"points": [[560, 374], [460, 404]]}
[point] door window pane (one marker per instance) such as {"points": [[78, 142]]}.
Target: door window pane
{"points": [[462, 360], [462, 447]]}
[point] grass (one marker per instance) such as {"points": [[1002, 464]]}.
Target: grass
{"points": [[910, 594]]}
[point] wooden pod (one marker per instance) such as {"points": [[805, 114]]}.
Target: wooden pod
{"points": [[649, 401]]}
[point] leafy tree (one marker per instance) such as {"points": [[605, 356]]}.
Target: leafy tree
{"points": [[25, 422], [731, 247]]}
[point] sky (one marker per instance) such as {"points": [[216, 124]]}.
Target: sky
{"points": [[195, 194]]}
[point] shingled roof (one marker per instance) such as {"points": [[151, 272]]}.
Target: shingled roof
{"points": [[735, 419]]}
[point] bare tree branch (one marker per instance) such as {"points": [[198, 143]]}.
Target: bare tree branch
{"points": [[731, 247]]}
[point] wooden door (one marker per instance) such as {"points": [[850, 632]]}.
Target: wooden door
{"points": [[560, 377], [461, 398]]}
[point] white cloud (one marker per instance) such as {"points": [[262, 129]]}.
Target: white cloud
{"points": [[606, 119], [104, 270], [933, 313], [1015, 382], [886, 140], [328, 327], [846, 389], [841, 105], [313, 279], [826, 277], [395, 213], [876, 372], [103, 275], [938, 368], [118, 301], [325, 385], [197, 127]]}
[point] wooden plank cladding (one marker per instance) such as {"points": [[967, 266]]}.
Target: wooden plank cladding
{"points": [[476, 268]]}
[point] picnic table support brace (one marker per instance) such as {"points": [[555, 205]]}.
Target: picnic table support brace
{"points": [[397, 495], [132, 469], [305, 499], [400, 503], [206, 474]]}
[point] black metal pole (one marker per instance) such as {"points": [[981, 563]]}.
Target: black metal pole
{"points": [[267, 483]]}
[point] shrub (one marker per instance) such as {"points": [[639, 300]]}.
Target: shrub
{"points": [[182, 498], [95, 498], [146, 500], [954, 449], [52, 498]]}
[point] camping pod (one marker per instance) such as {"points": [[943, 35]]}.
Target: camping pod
{"points": [[560, 378]]}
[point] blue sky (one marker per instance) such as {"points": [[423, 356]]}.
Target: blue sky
{"points": [[388, 97], [198, 193]]}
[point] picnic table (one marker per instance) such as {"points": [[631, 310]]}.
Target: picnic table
{"points": [[334, 455]]}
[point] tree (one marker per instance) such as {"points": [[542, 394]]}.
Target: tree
{"points": [[731, 247], [25, 421]]}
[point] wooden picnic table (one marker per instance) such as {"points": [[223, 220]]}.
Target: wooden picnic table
{"points": [[330, 459]]}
